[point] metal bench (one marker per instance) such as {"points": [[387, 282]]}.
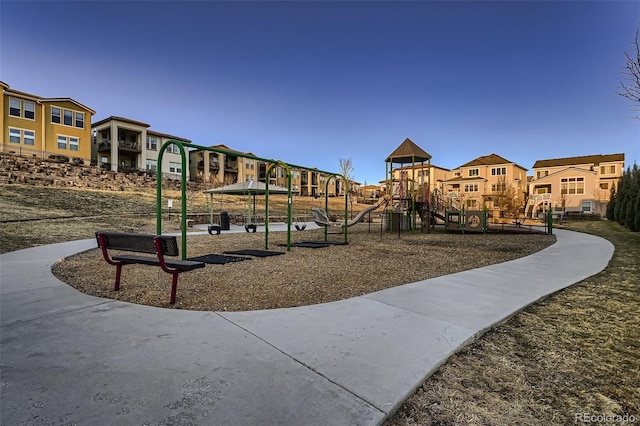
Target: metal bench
{"points": [[160, 245]]}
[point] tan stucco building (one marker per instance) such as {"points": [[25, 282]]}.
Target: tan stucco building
{"points": [[574, 184], [475, 184]]}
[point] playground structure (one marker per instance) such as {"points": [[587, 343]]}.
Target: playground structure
{"points": [[410, 189], [407, 197], [407, 191], [271, 165]]}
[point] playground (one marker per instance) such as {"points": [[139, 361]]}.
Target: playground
{"points": [[368, 250]]}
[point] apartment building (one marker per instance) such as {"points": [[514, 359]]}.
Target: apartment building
{"points": [[574, 184], [222, 168], [230, 166], [123, 144], [44, 127], [479, 182]]}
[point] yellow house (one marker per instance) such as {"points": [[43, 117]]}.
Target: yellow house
{"points": [[574, 184], [478, 183], [45, 127]]}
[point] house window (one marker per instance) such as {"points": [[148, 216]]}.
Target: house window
{"points": [[152, 165], [498, 171], [23, 109], [55, 115], [152, 143], [586, 207], [79, 120], [471, 187], [14, 135], [73, 144], [608, 170], [62, 142], [604, 185], [175, 168], [68, 118], [472, 204], [29, 137], [15, 107], [474, 172], [498, 187], [173, 148], [542, 173], [571, 186], [29, 110]]}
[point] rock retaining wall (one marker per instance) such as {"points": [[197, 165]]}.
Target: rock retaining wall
{"points": [[42, 172]]}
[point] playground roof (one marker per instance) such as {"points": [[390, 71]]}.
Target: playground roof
{"points": [[248, 187], [408, 152]]}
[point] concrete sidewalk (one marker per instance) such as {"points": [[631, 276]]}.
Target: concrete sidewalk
{"points": [[69, 358]]}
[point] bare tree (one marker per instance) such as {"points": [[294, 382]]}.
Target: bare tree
{"points": [[506, 198], [630, 88], [346, 169]]}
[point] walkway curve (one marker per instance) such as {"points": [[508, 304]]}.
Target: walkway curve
{"points": [[70, 358]]}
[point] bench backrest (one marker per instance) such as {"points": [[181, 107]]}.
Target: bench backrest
{"points": [[140, 243]]}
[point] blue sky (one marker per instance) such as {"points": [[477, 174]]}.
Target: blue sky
{"points": [[311, 83]]}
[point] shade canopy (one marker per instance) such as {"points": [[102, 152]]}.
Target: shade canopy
{"points": [[408, 152], [248, 187]]}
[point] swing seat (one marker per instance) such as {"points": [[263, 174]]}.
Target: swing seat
{"points": [[301, 227], [251, 228], [214, 228]]}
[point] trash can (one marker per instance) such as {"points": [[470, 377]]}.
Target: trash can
{"points": [[224, 221]]}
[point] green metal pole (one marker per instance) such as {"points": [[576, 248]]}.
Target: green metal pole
{"points": [[266, 213], [326, 203], [183, 219], [289, 208], [346, 208], [159, 194], [550, 222], [273, 164]]}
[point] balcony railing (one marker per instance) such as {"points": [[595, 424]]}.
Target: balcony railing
{"points": [[535, 198], [125, 146], [231, 167], [213, 165]]}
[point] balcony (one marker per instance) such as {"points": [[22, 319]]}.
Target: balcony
{"points": [[214, 166], [231, 167], [123, 146]]}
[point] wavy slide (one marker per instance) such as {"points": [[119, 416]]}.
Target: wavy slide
{"points": [[320, 216]]}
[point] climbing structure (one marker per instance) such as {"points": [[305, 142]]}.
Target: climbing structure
{"points": [[407, 183]]}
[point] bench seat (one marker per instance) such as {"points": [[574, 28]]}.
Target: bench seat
{"points": [[183, 265]]}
